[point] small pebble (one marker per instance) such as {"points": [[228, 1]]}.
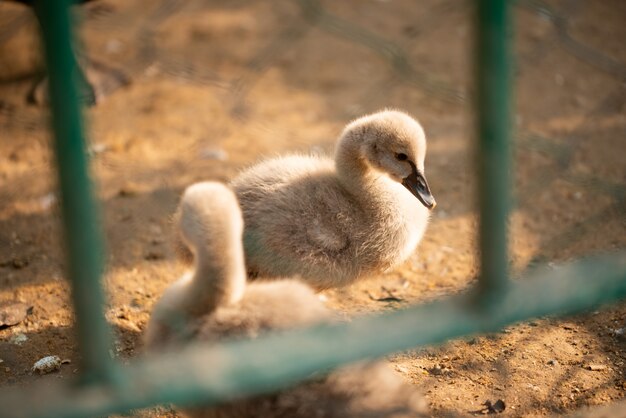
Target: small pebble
{"points": [[13, 313], [153, 256], [214, 154], [47, 365], [435, 370], [553, 362], [595, 367], [18, 339], [402, 369], [113, 46], [155, 229], [559, 79], [128, 190], [47, 201]]}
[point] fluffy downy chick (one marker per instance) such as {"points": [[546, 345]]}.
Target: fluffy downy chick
{"points": [[214, 302], [334, 221]]}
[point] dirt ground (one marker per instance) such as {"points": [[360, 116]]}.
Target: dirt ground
{"points": [[216, 86]]}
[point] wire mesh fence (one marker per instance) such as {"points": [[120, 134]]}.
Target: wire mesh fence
{"points": [[194, 90]]}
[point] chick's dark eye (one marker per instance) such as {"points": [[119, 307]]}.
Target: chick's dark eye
{"points": [[401, 156]]}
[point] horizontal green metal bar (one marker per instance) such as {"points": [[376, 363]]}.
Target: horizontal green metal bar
{"points": [[83, 237], [212, 373], [492, 150]]}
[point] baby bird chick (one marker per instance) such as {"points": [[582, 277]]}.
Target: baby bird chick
{"points": [[214, 302], [332, 222]]}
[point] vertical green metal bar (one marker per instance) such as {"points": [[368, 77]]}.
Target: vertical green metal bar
{"points": [[494, 162], [82, 229]]}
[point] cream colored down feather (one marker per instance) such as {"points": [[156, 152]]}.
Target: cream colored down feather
{"points": [[334, 221], [213, 302]]}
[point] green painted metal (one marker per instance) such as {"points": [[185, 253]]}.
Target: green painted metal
{"points": [[201, 373], [492, 151], [214, 372], [83, 237]]}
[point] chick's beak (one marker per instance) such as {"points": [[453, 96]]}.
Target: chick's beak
{"points": [[416, 183]]}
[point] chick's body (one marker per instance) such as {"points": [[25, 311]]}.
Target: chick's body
{"points": [[301, 220], [332, 221]]}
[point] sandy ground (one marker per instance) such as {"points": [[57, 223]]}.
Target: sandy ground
{"points": [[216, 86]]}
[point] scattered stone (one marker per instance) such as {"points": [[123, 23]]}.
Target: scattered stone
{"points": [[559, 79], [47, 201], [553, 362], [497, 407], [12, 314], [214, 154], [402, 369], [47, 365], [438, 370], [595, 367], [128, 190], [66, 361], [113, 46], [492, 408], [152, 70], [16, 263], [155, 229], [98, 148], [131, 326], [153, 256], [619, 334], [13, 155], [18, 339]]}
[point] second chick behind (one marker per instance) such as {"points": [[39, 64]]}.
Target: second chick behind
{"points": [[214, 302]]}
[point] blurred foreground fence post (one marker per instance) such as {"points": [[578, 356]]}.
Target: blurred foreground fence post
{"points": [[210, 373], [493, 161], [83, 237]]}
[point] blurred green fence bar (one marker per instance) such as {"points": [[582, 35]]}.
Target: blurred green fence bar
{"points": [[208, 374], [492, 152], [213, 372], [83, 236]]}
